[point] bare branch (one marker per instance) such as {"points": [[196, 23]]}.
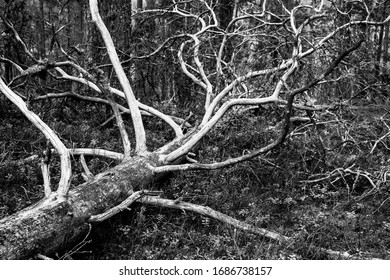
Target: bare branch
{"points": [[20, 161], [96, 152], [105, 87], [88, 173], [45, 167], [17, 37], [117, 92], [123, 206], [66, 170], [207, 211], [132, 102], [217, 99], [101, 82], [184, 68], [184, 149], [337, 30], [156, 51], [3, 59], [208, 85], [206, 127]]}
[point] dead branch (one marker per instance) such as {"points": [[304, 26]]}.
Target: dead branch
{"points": [[45, 167], [104, 86], [88, 173], [207, 211], [380, 140], [131, 101], [43, 257], [169, 120], [123, 206], [17, 37], [115, 210], [20, 161], [96, 152], [66, 169]]}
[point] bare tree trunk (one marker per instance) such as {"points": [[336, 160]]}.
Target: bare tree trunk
{"points": [[382, 53], [42, 47], [51, 225]]}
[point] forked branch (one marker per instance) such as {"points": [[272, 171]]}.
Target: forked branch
{"points": [[218, 115]]}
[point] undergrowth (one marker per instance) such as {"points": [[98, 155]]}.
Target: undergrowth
{"points": [[302, 189], [327, 186]]}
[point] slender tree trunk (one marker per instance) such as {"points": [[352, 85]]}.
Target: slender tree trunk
{"points": [[41, 22], [385, 72], [385, 48], [382, 52], [379, 51]]}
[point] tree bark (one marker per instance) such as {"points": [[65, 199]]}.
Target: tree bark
{"points": [[53, 224]]}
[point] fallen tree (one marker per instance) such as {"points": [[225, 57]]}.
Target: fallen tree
{"points": [[54, 223], [66, 212]]}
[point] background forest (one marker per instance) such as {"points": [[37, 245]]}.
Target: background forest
{"points": [[326, 185]]}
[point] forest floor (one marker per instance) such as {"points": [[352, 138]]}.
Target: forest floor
{"points": [[327, 186]]}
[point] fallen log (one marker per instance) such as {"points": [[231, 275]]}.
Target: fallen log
{"points": [[53, 223]]}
